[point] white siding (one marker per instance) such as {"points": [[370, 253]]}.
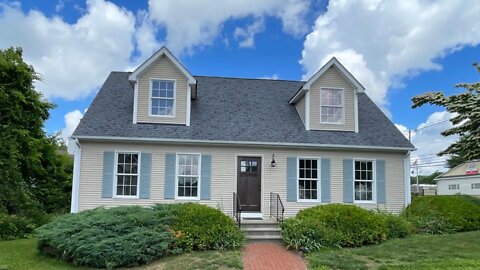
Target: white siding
{"points": [[162, 68], [465, 186], [300, 106], [332, 78], [224, 174]]}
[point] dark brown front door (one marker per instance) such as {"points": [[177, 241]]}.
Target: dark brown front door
{"points": [[249, 179]]}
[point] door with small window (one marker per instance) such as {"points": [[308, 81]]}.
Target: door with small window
{"points": [[249, 178]]}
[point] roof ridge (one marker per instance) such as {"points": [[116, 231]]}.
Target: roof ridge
{"points": [[239, 78]]}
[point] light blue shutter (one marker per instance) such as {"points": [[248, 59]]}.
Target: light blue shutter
{"points": [[206, 177], [348, 180], [108, 167], [380, 171], [145, 175], [170, 168], [325, 180], [291, 179]]}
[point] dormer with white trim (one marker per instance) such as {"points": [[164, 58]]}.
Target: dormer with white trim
{"points": [[163, 90], [328, 100]]}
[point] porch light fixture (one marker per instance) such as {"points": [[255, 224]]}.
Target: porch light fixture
{"points": [[272, 163]]}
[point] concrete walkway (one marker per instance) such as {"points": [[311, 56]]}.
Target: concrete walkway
{"points": [[268, 256]]}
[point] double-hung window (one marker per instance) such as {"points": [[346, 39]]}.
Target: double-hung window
{"points": [[127, 175], [476, 186], [454, 187], [308, 179], [331, 106], [163, 97], [188, 175], [364, 182]]}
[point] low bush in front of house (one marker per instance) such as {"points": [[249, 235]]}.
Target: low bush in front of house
{"points": [[444, 214], [340, 225], [199, 227], [133, 235]]}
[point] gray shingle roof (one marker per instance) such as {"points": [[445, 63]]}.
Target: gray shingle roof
{"points": [[236, 110]]}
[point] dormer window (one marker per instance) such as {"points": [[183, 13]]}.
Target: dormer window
{"points": [[162, 97], [331, 106]]}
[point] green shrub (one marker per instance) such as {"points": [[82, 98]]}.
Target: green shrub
{"points": [[200, 227], [121, 236], [397, 226], [132, 235], [14, 226], [444, 214], [334, 225]]}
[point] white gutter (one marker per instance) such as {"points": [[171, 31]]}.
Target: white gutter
{"points": [[76, 176], [243, 143], [406, 180]]}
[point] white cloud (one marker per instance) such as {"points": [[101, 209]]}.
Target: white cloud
{"points": [[273, 77], [192, 23], [382, 41], [71, 122], [427, 139], [247, 34], [73, 59]]}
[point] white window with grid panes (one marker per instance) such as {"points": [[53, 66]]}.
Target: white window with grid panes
{"points": [[126, 175], [331, 106], [476, 186], [162, 98], [188, 176], [364, 180], [454, 187], [308, 175]]}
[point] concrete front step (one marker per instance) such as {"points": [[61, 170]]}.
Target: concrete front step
{"points": [[262, 230]]}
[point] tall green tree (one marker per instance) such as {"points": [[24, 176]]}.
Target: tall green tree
{"points": [[466, 123], [31, 166]]}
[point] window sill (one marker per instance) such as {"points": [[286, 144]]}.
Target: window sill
{"points": [[187, 198], [161, 116], [126, 197], [331, 123], [308, 201], [365, 202]]}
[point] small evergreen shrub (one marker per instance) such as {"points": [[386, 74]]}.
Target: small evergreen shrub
{"points": [[132, 235], [444, 214], [200, 227], [334, 225], [121, 236]]}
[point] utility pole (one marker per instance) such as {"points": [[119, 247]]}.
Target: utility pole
{"points": [[417, 176]]}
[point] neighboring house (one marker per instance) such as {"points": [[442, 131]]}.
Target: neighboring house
{"points": [[160, 135], [463, 179]]}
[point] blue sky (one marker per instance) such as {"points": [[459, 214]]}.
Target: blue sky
{"points": [[74, 45]]}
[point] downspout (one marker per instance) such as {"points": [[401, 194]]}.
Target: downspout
{"points": [[406, 169], [76, 176]]}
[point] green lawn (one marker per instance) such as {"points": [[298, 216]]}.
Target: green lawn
{"points": [[22, 254], [455, 251]]}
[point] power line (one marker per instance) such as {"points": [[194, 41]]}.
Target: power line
{"points": [[432, 125]]}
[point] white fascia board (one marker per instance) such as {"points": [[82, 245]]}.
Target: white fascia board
{"points": [[334, 62], [244, 143], [155, 56], [76, 177], [298, 95], [406, 180]]}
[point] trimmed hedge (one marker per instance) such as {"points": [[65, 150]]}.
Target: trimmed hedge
{"points": [[200, 227], [444, 214], [340, 225], [133, 235]]}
